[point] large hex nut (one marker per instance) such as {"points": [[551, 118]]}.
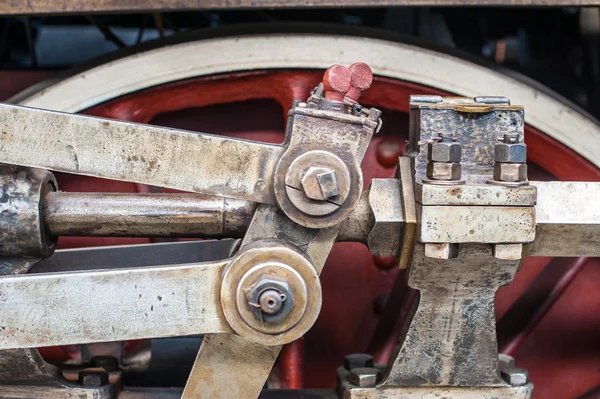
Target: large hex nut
{"points": [[516, 153], [510, 172], [443, 171], [445, 152]]}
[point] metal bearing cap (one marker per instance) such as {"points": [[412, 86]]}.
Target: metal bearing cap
{"points": [[22, 232], [270, 293]]}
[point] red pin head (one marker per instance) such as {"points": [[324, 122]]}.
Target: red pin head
{"points": [[361, 79], [336, 82]]}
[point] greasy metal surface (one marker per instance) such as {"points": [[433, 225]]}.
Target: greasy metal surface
{"points": [[114, 305], [138, 153], [358, 225], [568, 219], [175, 393], [431, 194], [139, 255], [22, 232], [146, 215], [385, 199], [344, 135], [487, 224], [32, 7], [451, 340], [25, 366], [476, 131], [409, 233]]}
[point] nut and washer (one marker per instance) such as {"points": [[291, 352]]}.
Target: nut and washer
{"points": [[444, 171], [270, 299], [320, 183], [364, 377]]}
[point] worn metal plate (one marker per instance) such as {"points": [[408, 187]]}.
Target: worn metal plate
{"points": [[476, 131], [468, 194], [137, 153], [464, 224], [117, 305]]}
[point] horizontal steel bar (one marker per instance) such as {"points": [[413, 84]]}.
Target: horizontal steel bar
{"points": [[32, 7], [99, 306], [146, 215], [568, 219], [158, 156]]}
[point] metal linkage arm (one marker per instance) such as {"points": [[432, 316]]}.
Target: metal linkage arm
{"points": [[158, 156], [99, 306]]}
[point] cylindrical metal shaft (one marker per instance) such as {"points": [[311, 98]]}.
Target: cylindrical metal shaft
{"points": [[146, 215]]}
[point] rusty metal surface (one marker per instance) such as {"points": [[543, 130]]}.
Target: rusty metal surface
{"points": [[462, 224], [116, 305], [22, 231], [32, 7], [138, 153], [451, 340], [146, 215], [568, 219], [58, 391], [474, 125]]}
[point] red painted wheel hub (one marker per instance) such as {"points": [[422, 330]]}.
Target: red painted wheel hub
{"points": [[546, 317]]}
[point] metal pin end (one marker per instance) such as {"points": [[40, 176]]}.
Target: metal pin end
{"points": [[426, 99], [492, 100]]}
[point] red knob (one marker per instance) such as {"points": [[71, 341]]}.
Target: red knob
{"points": [[362, 77], [336, 82]]}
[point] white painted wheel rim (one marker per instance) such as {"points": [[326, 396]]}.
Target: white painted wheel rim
{"points": [[389, 59]]}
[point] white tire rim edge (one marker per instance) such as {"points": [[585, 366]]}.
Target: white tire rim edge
{"points": [[389, 59]]}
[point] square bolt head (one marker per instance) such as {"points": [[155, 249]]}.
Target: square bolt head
{"points": [[357, 360], [364, 377], [445, 152], [510, 172], [516, 153], [441, 251], [443, 171]]}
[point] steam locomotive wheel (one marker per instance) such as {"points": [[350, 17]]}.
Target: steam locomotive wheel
{"points": [[242, 86]]}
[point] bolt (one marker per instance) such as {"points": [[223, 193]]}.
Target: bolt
{"points": [[361, 79], [337, 81], [271, 301], [108, 363], [510, 138], [505, 361], [320, 183], [364, 377], [515, 376], [93, 379], [358, 360]]}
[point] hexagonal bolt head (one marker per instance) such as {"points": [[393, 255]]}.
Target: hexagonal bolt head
{"points": [[516, 153], [515, 376], [364, 377], [510, 172], [444, 151], [93, 379], [270, 299], [443, 171], [441, 251], [319, 183], [358, 360]]}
